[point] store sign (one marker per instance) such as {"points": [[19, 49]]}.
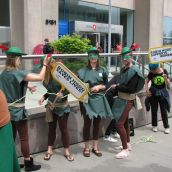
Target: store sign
{"points": [[98, 27], [70, 81], [160, 54]]}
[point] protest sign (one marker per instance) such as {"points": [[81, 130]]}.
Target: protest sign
{"points": [[160, 54], [70, 81]]}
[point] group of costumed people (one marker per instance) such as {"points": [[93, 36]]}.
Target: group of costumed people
{"points": [[113, 98]]}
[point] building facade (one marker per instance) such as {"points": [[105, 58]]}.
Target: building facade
{"points": [[25, 23]]}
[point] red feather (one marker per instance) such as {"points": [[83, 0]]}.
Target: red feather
{"points": [[135, 46], [3, 47]]}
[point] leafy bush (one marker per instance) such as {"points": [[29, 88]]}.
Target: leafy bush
{"points": [[73, 45]]}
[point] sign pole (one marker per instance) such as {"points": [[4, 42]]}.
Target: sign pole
{"points": [[109, 35]]}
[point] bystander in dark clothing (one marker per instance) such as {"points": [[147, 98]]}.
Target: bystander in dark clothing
{"points": [[158, 94]]}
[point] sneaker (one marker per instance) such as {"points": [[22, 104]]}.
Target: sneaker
{"points": [[167, 131], [121, 147], [123, 154], [116, 135], [154, 129], [110, 139]]}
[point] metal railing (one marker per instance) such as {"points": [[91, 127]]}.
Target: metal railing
{"points": [[114, 67]]}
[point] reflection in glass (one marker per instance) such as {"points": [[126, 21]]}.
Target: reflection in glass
{"points": [[167, 30]]}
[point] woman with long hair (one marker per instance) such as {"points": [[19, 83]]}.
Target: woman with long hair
{"points": [[57, 109], [14, 83], [97, 106]]}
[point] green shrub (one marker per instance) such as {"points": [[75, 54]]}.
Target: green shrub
{"points": [[71, 44], [74, 45]]}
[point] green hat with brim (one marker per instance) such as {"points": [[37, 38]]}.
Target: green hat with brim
{"points": [[15, 51], [42, 60], [93, 53], [125, 53]]}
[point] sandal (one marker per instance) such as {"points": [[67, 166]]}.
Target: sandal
{"points": [[47, 156], [97, 152], [69, 157], [86, 152]]}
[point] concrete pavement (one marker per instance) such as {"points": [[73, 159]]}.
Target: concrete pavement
{"points": [[145, 156]]}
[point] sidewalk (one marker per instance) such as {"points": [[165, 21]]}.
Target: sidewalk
{"points": [[145, 157]]}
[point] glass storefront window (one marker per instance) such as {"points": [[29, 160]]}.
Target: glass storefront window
{"points": [[4, 13], [77, 10], [167, 30]]}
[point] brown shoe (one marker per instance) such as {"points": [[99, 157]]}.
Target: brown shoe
{"points": [[86, 152], [69, 157], [97, 152], [47, 156]]}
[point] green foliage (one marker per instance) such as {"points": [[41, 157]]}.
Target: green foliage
{"points": [[74, 45], [71, 44], [75, 64]]}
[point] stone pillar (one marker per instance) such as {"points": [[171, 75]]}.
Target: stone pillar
{"points": [[17, 23], [141, 23], [156, 23], [36, 13]]}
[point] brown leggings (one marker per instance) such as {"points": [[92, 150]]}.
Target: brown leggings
{"points": [[62, 121], [87, 126], [122, 125], [22, 129]]}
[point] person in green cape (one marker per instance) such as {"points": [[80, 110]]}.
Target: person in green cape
{"points": [[57, 110], [97, 106], [130, 82], [14, 83], [8, 156]]}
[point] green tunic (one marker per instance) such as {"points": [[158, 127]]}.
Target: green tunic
{"points": [[118, 103], [8, 156], [54, 87], [97, 103], [14, 87]]}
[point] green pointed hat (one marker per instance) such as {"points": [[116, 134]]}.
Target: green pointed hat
{"points": [[93, 53], [125, 53], [15, 51]]}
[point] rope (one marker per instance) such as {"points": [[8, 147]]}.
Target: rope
{"points": [[56, 94], [16, 101]]}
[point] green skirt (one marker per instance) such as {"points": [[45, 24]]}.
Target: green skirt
{"points": [[97, 106], [8, 156]]}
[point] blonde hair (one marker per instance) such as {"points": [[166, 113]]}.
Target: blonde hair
{"points": [[11, 62], [48, 75]]}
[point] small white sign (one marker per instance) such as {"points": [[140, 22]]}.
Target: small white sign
{"points": [[160, 54], [70, 81]]}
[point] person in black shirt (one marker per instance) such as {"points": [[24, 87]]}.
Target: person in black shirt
{"points": [[158, 94]]}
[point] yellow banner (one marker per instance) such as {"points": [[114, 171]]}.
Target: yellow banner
{"points": [[160, 54], [70, 81]]}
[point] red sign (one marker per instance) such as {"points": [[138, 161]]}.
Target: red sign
{"points": [[94, 26]]}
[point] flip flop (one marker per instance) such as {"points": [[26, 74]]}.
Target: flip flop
{"points": [[69, 157], [86, 152], [97, 152], [47, 156]]}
